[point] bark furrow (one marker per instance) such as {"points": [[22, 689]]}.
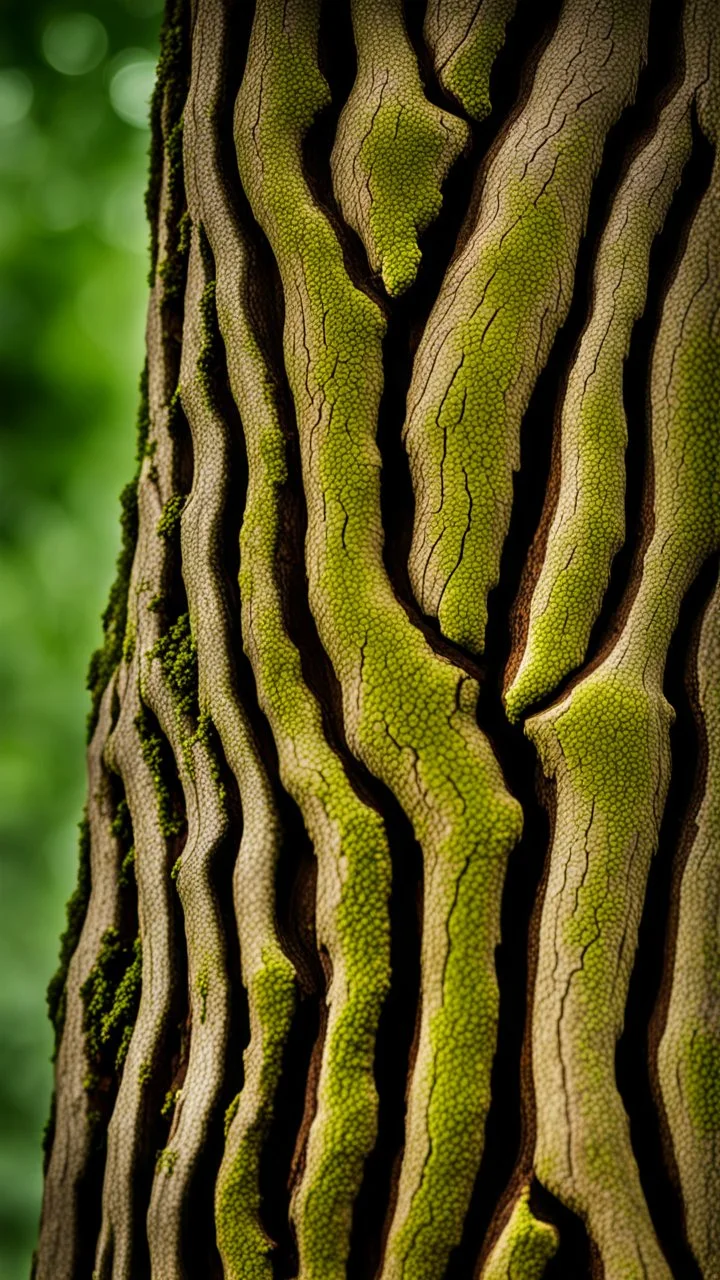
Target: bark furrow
{"points": [[464, 38], [134, 751], [503, 299], [60, 1244], [606, 745], [688, 1051], [393, 148], [588, 526], [302, 833], [347, 835], [431, 755], [268, 974]]}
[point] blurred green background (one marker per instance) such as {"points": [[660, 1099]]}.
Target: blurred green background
{"points": [[74, 88]]}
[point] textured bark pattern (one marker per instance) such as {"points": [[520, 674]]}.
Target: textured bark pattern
{"points": [[395, 946]]}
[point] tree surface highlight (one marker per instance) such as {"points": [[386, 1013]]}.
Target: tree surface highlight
{"points": [[402, 252]]}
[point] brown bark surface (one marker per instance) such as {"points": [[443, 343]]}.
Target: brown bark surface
{"points": [[395, 947]]}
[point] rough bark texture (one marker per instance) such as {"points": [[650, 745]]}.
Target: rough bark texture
{"points": [[395, 946]]}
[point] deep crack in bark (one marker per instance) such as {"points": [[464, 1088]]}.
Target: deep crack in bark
{"points": [[237, 1129]]}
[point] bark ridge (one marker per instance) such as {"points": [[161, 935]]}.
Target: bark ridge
{"points": [[402, 252]]}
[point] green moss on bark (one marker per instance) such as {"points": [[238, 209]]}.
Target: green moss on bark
{"points": [[111, 996], [158, 759]]}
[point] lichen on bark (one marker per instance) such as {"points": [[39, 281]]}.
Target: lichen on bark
{"points": [[378, 265]]}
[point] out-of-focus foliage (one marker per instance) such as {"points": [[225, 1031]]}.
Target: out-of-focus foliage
{"points": [[74, 86]]}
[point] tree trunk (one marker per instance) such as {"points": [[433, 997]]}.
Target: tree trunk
{"points": [[394, 950]]}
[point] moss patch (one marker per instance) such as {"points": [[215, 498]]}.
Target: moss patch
{"points": [[158, 758], [409, 715], [111, 996], [244, 1246]]}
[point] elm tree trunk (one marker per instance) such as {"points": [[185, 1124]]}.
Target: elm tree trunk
{"points": [[394, 951]]}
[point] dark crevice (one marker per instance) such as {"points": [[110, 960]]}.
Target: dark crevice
{"points": [[172, 602], [199, 1242], [153, 1126], [297, 1166], [635, 1047], [296, 871], [526, 34], [278, 1151], [224, 550], [393, 1050], [295, 885], [414, 15], [677, 835], [625, 140], [337, 60], [504, 1130], [510, 1123], [505, 1134], [665, 258], [101, 1070], [512, 1087], [510, 82], [576, 1255]]}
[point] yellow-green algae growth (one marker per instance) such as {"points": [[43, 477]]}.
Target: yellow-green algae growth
{"points": [[426, 747], [393, 148], [464, 39], [524, 1247], [503, 299], [688, 1059], [606, 744], [588, 525]]}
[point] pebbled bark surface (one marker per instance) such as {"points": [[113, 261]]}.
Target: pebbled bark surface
{"points": [[395, 852]]}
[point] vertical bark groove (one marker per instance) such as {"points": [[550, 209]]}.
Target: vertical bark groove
{"points": [[367, 976]]}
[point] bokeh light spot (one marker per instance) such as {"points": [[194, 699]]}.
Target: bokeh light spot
{"points": [[16, 95], [131, 87], [74, 43]]}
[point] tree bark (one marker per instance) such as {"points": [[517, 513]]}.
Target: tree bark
{"points": [[395, 946]]}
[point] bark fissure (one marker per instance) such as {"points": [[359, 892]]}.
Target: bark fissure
{"points": [[635, 1050], [408, 989]]}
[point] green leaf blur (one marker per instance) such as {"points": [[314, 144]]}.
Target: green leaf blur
{"points": [[74, 85]]}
